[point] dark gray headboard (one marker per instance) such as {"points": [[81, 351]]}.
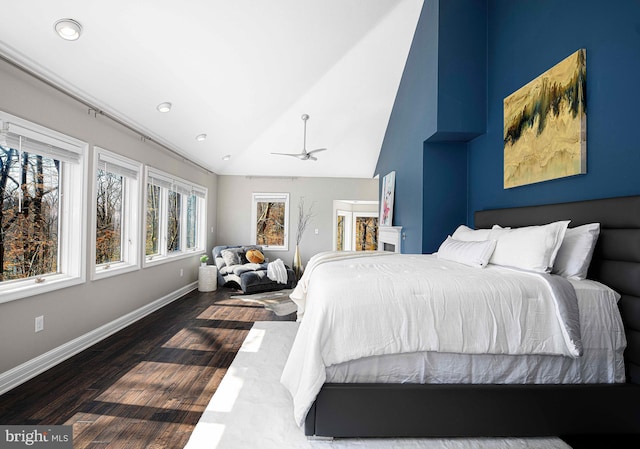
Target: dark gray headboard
{"points": [[616, 261]]}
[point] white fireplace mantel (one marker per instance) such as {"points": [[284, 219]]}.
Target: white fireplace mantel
{"points": [[390, 238]]}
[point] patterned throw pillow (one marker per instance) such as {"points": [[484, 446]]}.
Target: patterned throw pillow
{"points": [[233, 256]]}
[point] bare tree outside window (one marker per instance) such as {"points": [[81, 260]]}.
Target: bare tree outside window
{"points": [[29, 187], [192, 221], [173, 225], [340, 233], [366, 233], [110, 189], [270, 226], [153, 220]]}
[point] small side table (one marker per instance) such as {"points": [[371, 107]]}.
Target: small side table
{"points": [[207, 278]]}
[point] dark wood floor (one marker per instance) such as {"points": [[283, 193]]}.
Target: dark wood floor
{"points": [[147, 385]]}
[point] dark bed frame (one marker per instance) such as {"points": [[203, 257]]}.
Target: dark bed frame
{"points": [[473, 410]]}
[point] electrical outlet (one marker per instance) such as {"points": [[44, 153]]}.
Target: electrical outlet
{"points": [[181, 272], [39, 323]]}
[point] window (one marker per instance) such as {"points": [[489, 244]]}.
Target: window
{"points": [[192, 221], [174, 231], [365, 231], [116, 214], [343, 230], [340, 232], [153, 220], [356, 230], [270, 220], [42, 183], [175, 217]]}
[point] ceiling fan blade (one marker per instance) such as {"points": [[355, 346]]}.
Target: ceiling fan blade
{"points": [[287, 154], [316, 151]]}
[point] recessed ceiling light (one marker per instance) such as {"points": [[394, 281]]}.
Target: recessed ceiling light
{"points": [[201, 137], [226, 158], [164, 107], [68, 29]]}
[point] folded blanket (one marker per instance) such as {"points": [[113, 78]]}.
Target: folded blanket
{"points": [[239, 269], [276, 271]]}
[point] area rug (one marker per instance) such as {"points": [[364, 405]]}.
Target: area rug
{"points": [[278, 302], [251, 408]]}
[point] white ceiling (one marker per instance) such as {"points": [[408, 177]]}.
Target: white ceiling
{"points": [[241, 71]]}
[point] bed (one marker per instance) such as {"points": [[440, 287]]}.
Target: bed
{"points": [[609, 404]]}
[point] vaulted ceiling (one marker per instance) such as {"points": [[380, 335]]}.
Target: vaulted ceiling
{"points": [[243, 72]]}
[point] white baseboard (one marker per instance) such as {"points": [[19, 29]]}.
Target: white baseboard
{"points": [[28, 370]]}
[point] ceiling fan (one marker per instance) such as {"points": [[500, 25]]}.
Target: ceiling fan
{"points": [[304, 155]]}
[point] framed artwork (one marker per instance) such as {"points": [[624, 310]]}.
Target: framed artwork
{"points": [[386, 205], [545, 125]]}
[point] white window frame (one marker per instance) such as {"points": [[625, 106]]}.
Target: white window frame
{"points": [[72, 222], [168, 182], [131, 172], [273, 197]]}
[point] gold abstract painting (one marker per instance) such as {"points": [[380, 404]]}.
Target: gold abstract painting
{"points": [[545, 125]]}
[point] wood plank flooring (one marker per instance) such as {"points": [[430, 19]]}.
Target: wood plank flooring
{"points": [[147, 385]]}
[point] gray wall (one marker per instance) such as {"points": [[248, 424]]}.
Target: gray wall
{"points": [[72, 312], [234, 208]]}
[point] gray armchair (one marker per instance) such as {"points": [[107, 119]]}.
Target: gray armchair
{"points": [[235, 271]]}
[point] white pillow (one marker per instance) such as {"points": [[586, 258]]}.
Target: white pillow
{"points": [[576, 251], [465, 233], [530, 248], [472, 253]]}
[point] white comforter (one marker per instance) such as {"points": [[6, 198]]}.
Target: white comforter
{"points": [[356, 305]]}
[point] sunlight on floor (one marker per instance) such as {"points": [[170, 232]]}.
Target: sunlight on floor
{"points": [[145, 385], [224, 400], [253, 342], [210, 437]]}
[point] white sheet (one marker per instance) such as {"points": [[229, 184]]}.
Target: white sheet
{"points": [[356, 307]]}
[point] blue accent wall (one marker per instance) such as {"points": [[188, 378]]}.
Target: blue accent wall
{"points": [[524, 39], [440, 105], [466, 57], [445, 191]]}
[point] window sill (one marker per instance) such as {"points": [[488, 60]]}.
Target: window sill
{"points": [[274, 248], [158, 260], [102, 272], [30, 287]]}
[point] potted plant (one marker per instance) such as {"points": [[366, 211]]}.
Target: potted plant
{"points": [[203, 260]]}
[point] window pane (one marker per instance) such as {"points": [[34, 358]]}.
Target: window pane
{"points": [[173, 225], [109, 217], [28, 214], [340, 233], [366, 233], [153, 219], [192, 220], [270, 223]]}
